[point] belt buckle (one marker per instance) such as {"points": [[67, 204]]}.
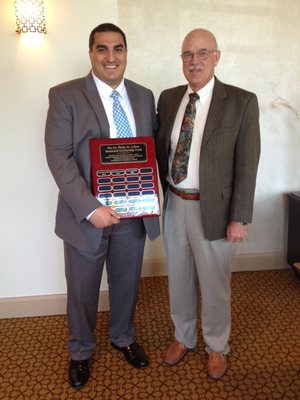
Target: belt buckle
{"points": [[181, 194]]}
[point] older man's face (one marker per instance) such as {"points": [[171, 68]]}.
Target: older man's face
{"points": [[199, 71]]}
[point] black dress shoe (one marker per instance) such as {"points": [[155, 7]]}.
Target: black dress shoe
{"points": [[134, 355], [79, 373]]}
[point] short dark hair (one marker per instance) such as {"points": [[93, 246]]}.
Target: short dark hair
{"points": [[107, 27]]}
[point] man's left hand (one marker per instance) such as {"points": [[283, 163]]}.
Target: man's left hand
{"points": [[236, 232]]}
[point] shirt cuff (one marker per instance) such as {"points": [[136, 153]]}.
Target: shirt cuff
{"points": [[89, 216]]}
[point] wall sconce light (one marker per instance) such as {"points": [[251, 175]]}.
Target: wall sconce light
{"points": [[30, 16]]}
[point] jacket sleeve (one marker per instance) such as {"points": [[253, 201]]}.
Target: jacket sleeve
{"points": [[247, 154], [63, 165]]}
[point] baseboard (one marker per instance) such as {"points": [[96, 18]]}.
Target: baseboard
{"points": [[241, 262], [37, 306], [32, 306], [259, 261], [157, 267]]}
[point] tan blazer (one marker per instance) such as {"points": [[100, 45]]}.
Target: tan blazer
{"points": [[76, 114], [229, 158]]}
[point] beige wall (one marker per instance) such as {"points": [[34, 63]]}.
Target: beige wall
{"points": [[259, 40]]}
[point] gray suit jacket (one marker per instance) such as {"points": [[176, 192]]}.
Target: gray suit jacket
{"points": [[229, 154], [76, 114]]}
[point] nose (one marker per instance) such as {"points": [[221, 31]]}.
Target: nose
{"points": [[110, 55], [194, 55]]}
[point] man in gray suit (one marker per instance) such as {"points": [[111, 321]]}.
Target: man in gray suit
{"points": [[93, 233], [206, 207]]}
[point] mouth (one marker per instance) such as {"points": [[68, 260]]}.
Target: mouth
{"points": [[110, 66]]}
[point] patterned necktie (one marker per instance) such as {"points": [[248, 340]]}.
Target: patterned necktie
{"points": [[120, 118], [182, 152]]}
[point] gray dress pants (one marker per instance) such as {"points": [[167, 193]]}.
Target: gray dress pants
{"points": [[122, 249]]}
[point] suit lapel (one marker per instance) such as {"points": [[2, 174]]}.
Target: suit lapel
{"points": [[93, 97], [172, 112], [216, 110], [137, 113]]}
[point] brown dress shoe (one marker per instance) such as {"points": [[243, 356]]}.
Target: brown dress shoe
{"points": [[175, 353], [217, 365]]}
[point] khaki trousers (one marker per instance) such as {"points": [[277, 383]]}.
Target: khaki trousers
{"points": [[195, 263]]}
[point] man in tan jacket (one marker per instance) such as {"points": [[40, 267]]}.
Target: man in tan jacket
{"points": [[208, 195]]}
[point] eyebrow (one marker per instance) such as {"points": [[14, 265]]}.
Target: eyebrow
{"points": [[202, 49], [102, 46]]}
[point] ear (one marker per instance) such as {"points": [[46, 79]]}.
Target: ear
{"points": [[217, 56]]}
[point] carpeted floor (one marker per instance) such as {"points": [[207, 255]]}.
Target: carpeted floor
{"points": [[264, 363]]}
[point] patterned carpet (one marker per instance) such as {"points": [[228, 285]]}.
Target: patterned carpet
{"points": [[264, 363]]}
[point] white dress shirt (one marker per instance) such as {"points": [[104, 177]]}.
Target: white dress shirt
{"points": [[202, 107], [104, 91]]}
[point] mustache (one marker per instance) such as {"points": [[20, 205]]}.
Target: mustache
{"points": [[195, 68]]}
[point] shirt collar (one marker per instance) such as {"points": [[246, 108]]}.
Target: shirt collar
{"points": [[106, 90], [205, 91]]}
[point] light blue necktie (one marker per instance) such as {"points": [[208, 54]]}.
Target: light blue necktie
{"points": [[120, 118]]}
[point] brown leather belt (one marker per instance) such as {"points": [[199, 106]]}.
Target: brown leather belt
{"points": [[185, 195]]}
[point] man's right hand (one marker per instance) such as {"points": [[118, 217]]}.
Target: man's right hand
{"points": [[103, 217]]}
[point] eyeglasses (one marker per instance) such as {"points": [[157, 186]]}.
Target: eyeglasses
{"points": [[201, 54]]}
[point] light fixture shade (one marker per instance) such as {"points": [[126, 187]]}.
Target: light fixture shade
{"points": [[30, 16]]}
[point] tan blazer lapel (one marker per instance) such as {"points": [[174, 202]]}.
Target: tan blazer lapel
{"points": [[215, 112], [173, 106]]}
